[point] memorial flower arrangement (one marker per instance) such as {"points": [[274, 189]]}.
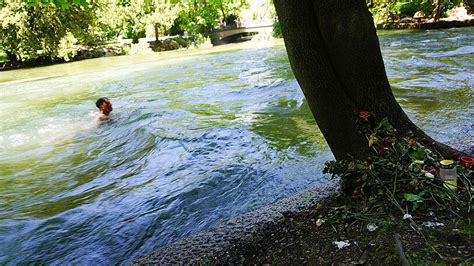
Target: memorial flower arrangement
{"points": [[402, 169]]}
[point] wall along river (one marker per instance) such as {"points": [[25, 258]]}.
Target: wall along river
{"points": [[194, 140]]}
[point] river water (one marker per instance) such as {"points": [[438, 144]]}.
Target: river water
{"points": [[196, 138]]}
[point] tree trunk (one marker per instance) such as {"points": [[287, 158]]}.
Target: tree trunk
{"points": [[437, 10], [12, 58], [335, 55], [135, 38], [157, 33], [224, 16]]}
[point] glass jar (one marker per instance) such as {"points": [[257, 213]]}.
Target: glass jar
{"points": [[448, 173]]}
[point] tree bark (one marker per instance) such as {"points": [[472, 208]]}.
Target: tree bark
{"points": [[335, 55], [224, 16], [12, 58], [437, 10], [157, 33]]}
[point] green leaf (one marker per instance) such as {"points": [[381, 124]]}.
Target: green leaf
{"points": [[418, 154], [64, 4], [385, 125], [415, 206], [373, 139], [412, 197]]}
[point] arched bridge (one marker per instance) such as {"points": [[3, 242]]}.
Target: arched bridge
{"points": [[221, 35]]}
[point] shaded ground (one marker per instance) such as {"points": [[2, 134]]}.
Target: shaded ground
{"points": [[308, 238]]}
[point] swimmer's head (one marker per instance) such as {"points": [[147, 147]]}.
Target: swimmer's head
{"points": [[104, 105]]}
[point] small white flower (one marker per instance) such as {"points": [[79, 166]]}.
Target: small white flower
{"points": [[418, 162], [407, 216]]}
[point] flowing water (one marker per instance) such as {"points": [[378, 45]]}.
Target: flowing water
{"points": [[194, 140]]}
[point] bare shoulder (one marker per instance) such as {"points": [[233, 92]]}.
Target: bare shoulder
{"points": [[101, 117]]}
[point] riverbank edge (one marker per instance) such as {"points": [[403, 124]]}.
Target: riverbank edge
{"points": [[442, 24], [84, 54], [152, 56], [226, 241], [425, 25], [304, 229]]}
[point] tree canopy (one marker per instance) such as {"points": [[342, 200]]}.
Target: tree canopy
{"points": [[384, 9], [57, 29], [32, 31]]}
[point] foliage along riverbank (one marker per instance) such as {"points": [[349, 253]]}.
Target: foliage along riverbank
{"points": [[36, 34], [112, 49], [414, 24], [459, 16], [56, 31], [82, 54], [44, 32]]}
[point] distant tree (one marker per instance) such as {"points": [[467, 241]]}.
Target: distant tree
{"points": [[384, 10], [162, 17], [200, 17], [131, 16], [197, 18], [31, 31], [436, 15], [230, 9]]}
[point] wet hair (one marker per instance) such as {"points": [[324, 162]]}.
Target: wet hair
{"points": [[100, 101]]}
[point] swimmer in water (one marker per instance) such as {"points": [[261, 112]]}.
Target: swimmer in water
{"points": [[105, 107]]}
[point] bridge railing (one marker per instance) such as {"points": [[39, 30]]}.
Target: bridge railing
{"points": [[244, 24]]}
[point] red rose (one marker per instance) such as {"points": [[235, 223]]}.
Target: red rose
{"points": [[363, 115], [424, 140]]}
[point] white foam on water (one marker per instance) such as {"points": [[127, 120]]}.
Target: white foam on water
{"points": [[460, 51], [52, 131]]}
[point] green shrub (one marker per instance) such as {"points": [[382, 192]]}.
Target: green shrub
{"points": [[379, 13], [277, 30], [411, 7], [3, 57], [469, 3], [183, 42], [382, 9]]}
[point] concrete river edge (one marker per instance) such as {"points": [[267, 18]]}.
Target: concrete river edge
{"points": [[225, 240]]}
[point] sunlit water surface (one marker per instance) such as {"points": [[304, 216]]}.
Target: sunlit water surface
{"points": [[194, 140]]}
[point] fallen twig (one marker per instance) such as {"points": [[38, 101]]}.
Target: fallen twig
{"points": [[401, 253]]}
